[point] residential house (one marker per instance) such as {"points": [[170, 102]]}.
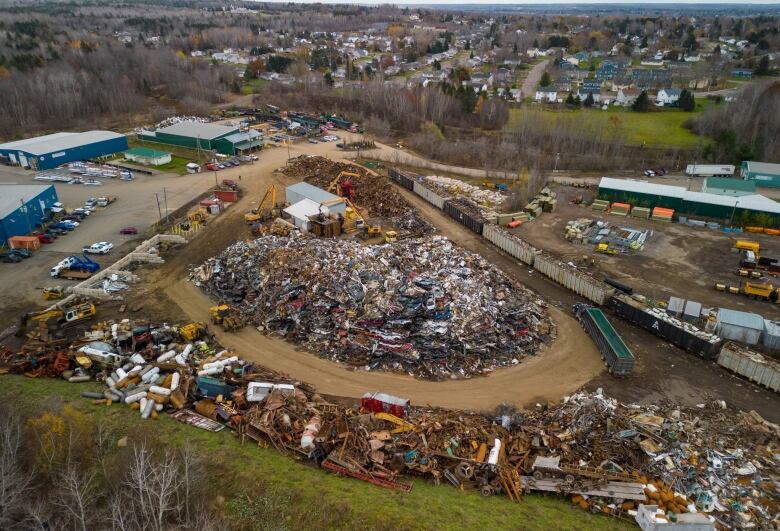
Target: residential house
{"points": [[546, 95], [742, 72], [502, 75], [516, 94], [482, 79], [652, 78], [667, 97], [562, 84], [592, 87], [627, 96], [582, 56]]}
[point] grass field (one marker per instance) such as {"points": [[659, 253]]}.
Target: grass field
{"points": [[180, 156], [253, 85], [259, 484], [663, 128]]}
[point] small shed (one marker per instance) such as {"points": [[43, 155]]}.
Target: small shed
{"points": [[301, 210], [148, 156], [739, 326]]}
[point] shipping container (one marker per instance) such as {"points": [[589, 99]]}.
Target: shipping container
{"points": [[618, 357], [571, 278], [429, 195], [709, 170], [403, 178], [31, 243], [683, 335], [771, 336], [509, 243], [462, 217], [750, 365]]}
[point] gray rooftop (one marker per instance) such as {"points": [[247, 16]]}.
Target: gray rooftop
{"points": [[198, 130], [743, 319], [12, 195], [763, 167], [43, 145], [309, 191]]}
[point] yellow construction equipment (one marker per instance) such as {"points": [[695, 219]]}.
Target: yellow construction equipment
{"points": [[367, 230], [761, 291], [348, 190], [391, 236], [403, 426], [605, 248], [66, 317], [53, 293], [225, 316], [262, 213], [747, 245], [193, 331]]}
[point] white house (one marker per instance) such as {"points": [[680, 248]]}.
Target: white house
{"points": [[549, 96], [626, 96], [668, 96]]}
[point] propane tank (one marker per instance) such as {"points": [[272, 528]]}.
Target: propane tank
{"points": [[165, 357], [175, 381], [311, 430], [493, 456]]}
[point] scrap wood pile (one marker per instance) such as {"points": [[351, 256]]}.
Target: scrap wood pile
{"points": [[372, 192], [422, 306], [604, 455]]}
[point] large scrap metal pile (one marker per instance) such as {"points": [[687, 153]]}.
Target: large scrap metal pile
{"points": [[604, 455], [372, 192], [487, 202], [421, 306]]}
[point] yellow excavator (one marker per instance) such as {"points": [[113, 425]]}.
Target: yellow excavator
{"points": [[366, 229], [402, 425], [261, 212], [226, 316], [346, 190], [64, 317]]}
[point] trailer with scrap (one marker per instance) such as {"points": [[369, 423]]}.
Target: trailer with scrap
{"points": [[618, 357]]}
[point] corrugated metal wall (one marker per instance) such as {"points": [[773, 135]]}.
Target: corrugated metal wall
{"points": [[21, 222]]}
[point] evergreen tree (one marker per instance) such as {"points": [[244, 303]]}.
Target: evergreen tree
{"points": [[763, 66], [642, 103], [570, 99], [687, 101], [546, 81], [589, 101]]}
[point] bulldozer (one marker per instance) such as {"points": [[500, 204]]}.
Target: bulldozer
{"points": [[53, 293], [62, 317], [263, 212], [226, 316], [605, 249], [391, 236], [193, 331]]}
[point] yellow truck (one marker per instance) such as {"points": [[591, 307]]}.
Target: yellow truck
{"points": [[747, 245], [764, 291]]}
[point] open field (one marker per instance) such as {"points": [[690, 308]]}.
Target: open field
{"points": [[653, 129], [261, 485]]}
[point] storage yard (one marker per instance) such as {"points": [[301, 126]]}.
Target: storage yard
{"points": [[426, 307]]}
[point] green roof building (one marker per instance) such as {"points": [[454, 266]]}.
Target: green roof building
{"points": [[726, 186], [147, 156], [763, 173], [225, 139]]}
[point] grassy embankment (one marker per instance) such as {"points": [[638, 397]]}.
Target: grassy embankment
{"points": [[258, 483]]}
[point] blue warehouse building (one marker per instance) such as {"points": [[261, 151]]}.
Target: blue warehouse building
{"points": [[24, 207], [49, 151]]}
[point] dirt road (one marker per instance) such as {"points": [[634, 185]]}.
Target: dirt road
{"points": [[533, 78]]}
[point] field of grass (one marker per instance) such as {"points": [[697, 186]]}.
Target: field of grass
{"points": [[252, 86], [662, 128], [258, 483]]}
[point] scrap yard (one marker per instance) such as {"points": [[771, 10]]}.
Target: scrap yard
{"points": [[446, 352]]}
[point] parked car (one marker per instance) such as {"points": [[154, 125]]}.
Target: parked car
{"points": [[221, 166], [99, 248], [45, 238], [65, 225], [649, 173], [91, 201], [312, 141], [54, 231], [71, 217], [212, 166], [128, 230], [254, 157], [231, 183], [10, 258], [21, 252], [85, 211], [69, 223]]}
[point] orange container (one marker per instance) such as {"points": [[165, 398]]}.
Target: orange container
{"points": [[621, 206], [663, 212], [31, 243], [754, 230], [513, 224], [772, 232]]}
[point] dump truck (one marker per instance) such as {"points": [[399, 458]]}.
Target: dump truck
{"points": [[614, 352], [765, 291]]}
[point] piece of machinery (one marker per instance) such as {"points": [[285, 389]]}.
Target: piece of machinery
{"points": [[227, 317], [53, 293], [344, 188], [63, 317], [391, 236], [263, 212], [193, 331]]}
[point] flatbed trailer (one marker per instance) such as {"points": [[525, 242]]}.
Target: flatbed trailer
{"points": [[618, 357], [73, 274]]}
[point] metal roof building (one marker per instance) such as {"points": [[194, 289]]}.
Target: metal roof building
{"points": [[225, 139], [740, 326], [49, 151], [304, 190], [726, 186], [764, 173], [23, 207], [747, 209]]}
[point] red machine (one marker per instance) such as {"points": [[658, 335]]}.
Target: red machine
{"points": [[380, 402], [345, 189]]}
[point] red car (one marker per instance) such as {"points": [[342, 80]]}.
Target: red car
{"points": [[128, 230], [45, 238]]}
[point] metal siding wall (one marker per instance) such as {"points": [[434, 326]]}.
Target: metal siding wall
{"points": [[87, 151], [20, 224], [429, 195]]}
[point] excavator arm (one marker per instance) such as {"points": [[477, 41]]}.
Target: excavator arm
{"points": [[403, 426]]}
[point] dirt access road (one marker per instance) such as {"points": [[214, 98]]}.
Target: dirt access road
{"points": [[569, 363]]}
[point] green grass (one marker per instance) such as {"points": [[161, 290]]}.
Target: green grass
{"points": [[176, 165], [253, 86], [662, 128], [241, 472]]}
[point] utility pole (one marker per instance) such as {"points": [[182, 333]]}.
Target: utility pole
{"points": [[159, 212], [557, 157], [165, 198], [731, 219]]}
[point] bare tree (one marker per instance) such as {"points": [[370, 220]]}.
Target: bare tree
{"points": [[15, 482]]}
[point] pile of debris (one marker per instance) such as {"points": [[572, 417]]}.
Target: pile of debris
{"points": [[420, 306], [372, 192], [490, 202], [605, 456]]}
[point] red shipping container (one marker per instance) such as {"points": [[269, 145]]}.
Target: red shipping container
{"points": [[228, 196]]}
